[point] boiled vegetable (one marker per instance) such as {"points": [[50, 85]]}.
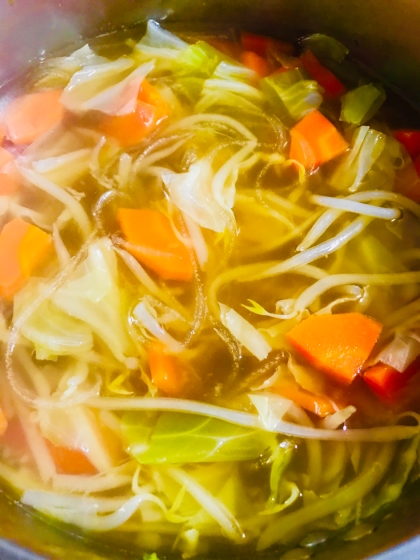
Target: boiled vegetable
{"points": [[388, 383], [315, 140], [337, 344], [326, 79], [154, 243], [29, 116], [360, 104], [189, 438], [23, 248]]}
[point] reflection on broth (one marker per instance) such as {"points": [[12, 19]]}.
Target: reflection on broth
{"points": [[209, 288]]}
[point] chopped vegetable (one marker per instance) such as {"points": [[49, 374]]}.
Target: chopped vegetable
{"points": [[325, 47], [154, 243], [29, 116], [326, 79], [410, 139], [70, 461], [256, 63], [337, 344], [388, 383], [260, 45], [3, 422], [315, 140], [190, 438], [2, 133], [317, 404], [367, 146], [199, 59], [23, 247], [168, 372], [131, 129], [360, 104], [291, 95]]}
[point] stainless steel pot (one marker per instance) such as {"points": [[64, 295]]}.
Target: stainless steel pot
{"points": [[383, 35]]}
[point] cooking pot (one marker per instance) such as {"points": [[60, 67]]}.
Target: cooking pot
{"points": [[381, 35]]}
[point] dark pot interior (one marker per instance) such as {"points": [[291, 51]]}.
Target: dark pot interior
{"points": [[382, 35]]}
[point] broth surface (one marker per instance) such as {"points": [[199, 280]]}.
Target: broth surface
{"points": [[210, 293]]}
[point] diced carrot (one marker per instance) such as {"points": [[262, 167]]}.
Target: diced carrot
{"points": [[259, 44], [2, 133], [167, 371], [326, 79], [154, 243], [410, 139], [388, 383], [3, 422], [131, 129], [315, 140], [337, 344], [407, 182], [23, 247], [9, 179], [149, 94], [9, 176], [70, 461], [170, 375], [317, 404], [256, 63], [30, 115]]}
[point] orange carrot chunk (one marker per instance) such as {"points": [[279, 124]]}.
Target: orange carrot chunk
{"points": [[154, 243], [3, 422], [256, 63], [23, 247], [337, 344], [70, 461], [2, 133], [30, 115], [315, 140], [131, 129], [9, 175], [317, 404], [387, 382], [167, 371]]}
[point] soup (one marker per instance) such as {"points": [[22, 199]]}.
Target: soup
{"points": [[210, 293]]}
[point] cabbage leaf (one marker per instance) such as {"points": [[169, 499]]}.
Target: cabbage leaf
{"points": [[190, 438]]}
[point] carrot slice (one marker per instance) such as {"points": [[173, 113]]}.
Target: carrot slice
{"points": [[30, 115], [315, 140], [326, 79], [317, 404], [153, 242], [387, 382], [9, 179], [3, 422], [23, 247], [131, 129], [337, 344], [70, 461], [167, 371], [256, 63]]}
